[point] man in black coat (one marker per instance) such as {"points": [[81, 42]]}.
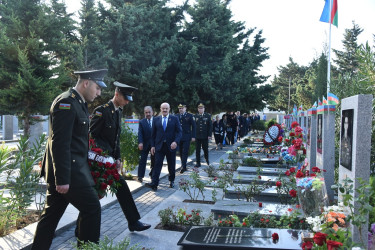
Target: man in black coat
{"points": [[65, 166], [144, 142], [105, 128], [188, 134], [203, 134], [166, 135]]}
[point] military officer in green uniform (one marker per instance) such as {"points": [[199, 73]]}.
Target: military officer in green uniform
{"points": [[65, 166], [105, 128], [203, 134]]}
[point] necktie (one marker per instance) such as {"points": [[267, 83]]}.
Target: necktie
{"points": [[164, 122], [149, 122]]}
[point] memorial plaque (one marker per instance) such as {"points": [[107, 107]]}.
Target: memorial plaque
{"points": [[204, 237], [319, 135], [346, 139]]}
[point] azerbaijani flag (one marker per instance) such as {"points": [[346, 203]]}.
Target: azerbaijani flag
{"points": [[314, 105], [334, 12], [325, 101], [319, 102], [300, 108], [332, 99]]}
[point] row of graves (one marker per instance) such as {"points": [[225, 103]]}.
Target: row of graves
{"points": [[278, 190]]}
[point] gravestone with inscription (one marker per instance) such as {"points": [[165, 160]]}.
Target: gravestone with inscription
{"points": [[325, 157], [355, 146], [311, 134], [204, 237]]}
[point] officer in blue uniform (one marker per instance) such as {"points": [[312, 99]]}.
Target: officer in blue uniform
{"points": [[188, 134], [203, 134]]}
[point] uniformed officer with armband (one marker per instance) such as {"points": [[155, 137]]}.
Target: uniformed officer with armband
{"points": [[65, 166], [105, 128], [203, 134], [188, 134]]}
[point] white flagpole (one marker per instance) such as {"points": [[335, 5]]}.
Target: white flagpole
{"points": [[329, 49]]}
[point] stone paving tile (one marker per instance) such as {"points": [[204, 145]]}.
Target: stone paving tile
{"points": [[145, 199]]}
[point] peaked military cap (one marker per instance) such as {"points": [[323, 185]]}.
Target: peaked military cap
{"points": [[200, 104], [94, 75], [126, 90], [182, 105]]}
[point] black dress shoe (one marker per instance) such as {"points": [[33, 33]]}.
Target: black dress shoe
{"points": [[151, 186], [183, 170], [171, 184], [140, 180], [138, 226]]}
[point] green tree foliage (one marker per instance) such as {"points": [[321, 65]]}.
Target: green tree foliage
{"points": [[346, 60], [213, 67]]}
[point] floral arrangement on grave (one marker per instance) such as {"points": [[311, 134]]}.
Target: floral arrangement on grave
{"points": [[103, 170], [273, 135], [311, 192], [293, 140]]}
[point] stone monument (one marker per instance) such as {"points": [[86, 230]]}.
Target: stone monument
{"points": [[311, 130], [7, 127], [355, 147]]}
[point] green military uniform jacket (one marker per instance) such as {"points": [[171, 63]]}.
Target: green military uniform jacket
{"points": [[65, 158], [105, 128], [203, 126]]}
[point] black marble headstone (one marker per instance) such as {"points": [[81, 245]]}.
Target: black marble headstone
{"points": [[203, 237]]}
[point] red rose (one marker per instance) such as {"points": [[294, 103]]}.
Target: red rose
{"points": [[294, 124], [293, 193], [280, 139], [275, 236], [298, 129], [103, 186], [110, 182], [287, 140], [116, 176], [108, 165], [244, 224], [320, 238], [292, 134], [307, 245], [293, 142], [92, 173], [260, 204], [259, 177], [99, 151], [299, 174], [287, 173], [105, 176], [316, 169], [332, 245], [313, 175], [292, 170], [278, 184], [97, 174], [262, 220]]}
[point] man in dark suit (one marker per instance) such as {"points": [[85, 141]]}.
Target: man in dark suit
{"points": [[203, 134], [65, 166], [166, 135], [188, 134], [144, 142], [105, 128]]}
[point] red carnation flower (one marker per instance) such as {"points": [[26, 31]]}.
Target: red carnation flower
{"points": [[315, 169], [295, 124], [293, 193], [278, 184], [99, 151], [292, 134], [313, 175], [108, 165], [320, 238], [287, 140], [275, 236], [110, 182], [299, 174], [280, 139], [332, 245], [262, 219], [307, 245], [287, 173], [259, 177], [298, 129], [292, 170]]}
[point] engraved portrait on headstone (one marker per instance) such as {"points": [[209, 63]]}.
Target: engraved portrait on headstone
{"points": [[319, 134], [308, 129], [346, 139]]}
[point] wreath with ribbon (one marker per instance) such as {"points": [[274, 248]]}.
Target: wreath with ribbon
{"points": [[273, 135]]}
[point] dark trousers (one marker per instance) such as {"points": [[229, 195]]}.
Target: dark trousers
{"points": [[159, 158], [85, 199], [198, 144], [218, 139], [184, 147], [143, 161], [125, 198], [230, 136]]}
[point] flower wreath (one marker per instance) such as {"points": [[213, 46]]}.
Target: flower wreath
{"points": [[273, 135], [103, 170]]}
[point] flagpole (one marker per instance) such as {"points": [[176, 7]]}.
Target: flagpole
{"points": [[329, 49]]}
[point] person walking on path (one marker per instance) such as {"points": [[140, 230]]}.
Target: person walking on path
{"points": [[188, 134], [218, 132], [165, 137], [144, 142], [203, 134], [105, 128], [65, 165]]}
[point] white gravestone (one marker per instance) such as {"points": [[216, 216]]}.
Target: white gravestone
{"points": [[311, 137], [7, 127], [36, 129], [355, 146], [325, 157]]}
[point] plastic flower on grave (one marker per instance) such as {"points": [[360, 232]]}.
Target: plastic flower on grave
{"points": [[103, 170], [299, 174], [293, 193], [275, 236], [278, 184], [294, 124]]}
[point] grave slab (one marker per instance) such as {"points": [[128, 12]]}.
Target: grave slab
{"points": [[203, 237], [269, 195], [245, 179], [263, 171]]}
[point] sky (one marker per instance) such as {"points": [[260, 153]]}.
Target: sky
{"points": [[292, 27]]}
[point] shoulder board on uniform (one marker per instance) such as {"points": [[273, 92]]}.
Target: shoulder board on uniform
{"points": [[64, 106], [106, 105], [73, 95]]}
